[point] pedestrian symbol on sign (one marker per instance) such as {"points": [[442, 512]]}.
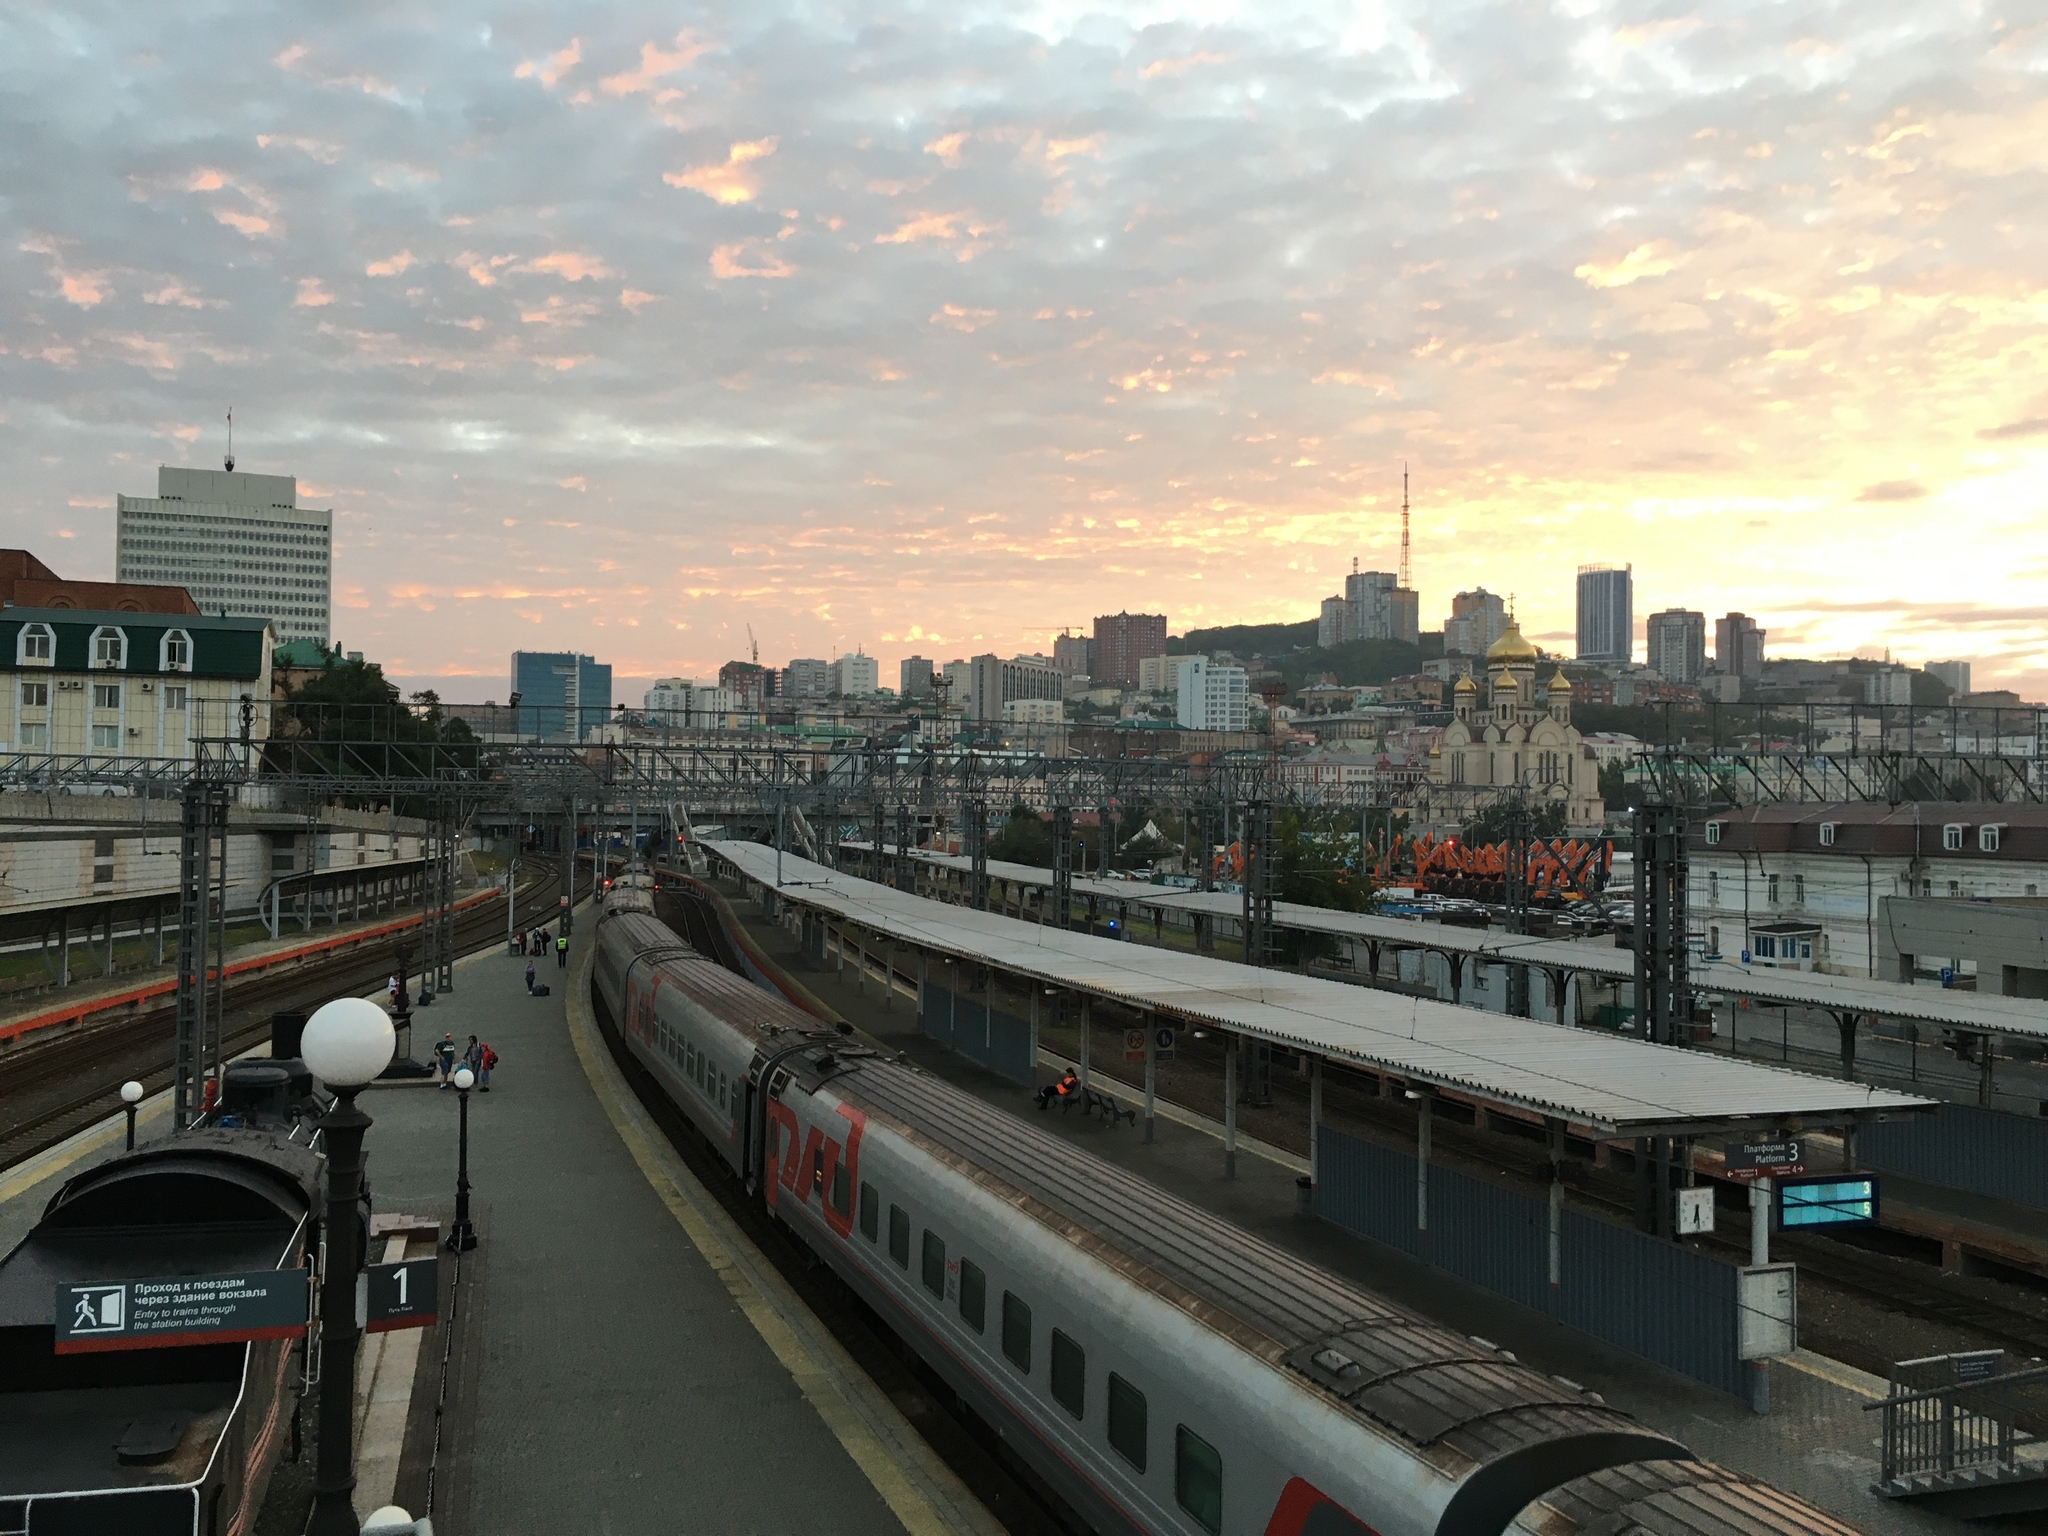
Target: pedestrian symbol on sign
{"points": [[99, 1309]]}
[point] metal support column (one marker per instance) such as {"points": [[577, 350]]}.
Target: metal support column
{"points": [[1663, 998], [1516, 882], [1062, 865], [1230, 1106], [977, 847], [1258, 882], [203, 823], [903, 870], [1151, 1071]]}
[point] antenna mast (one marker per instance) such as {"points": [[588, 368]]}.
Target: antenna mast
{"points": [[230, 460], [1407, 580]]}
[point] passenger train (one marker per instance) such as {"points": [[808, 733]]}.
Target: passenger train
{"points": [[1161, 1370]]}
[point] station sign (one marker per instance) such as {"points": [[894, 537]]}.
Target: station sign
{"points": [[1162, 1046], [1134, 1047], [1766, 1159], [403, 1295], [1827, 1200], [178, 1310]]}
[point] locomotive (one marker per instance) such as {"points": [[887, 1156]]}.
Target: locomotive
{"points": [[1161, 1370]]}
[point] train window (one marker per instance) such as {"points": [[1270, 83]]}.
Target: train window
{"points": [[1127, 1421], [1017, 1332], [934, 1263], [1198, 1478], [973, 1295], [870, 1207], [841, 1188], [899, 1236], [1069, 1374]]}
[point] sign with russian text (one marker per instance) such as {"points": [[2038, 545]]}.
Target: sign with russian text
{"points": [[1766, 1159], [178, 1310], [403, 1295]]}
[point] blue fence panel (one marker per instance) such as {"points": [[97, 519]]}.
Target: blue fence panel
{"points": [[1000, 1041], [1959, 1146], [1664, 1303], [1496, 1238], [1655, 1299]]}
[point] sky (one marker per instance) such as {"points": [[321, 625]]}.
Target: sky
{"points": [[936, 328]]}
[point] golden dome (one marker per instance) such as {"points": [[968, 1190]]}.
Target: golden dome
{"points": [[1559, 683], [1511, 647], [1465, 684]]}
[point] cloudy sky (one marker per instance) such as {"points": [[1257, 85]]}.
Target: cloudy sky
{"points": [[933, 328]]}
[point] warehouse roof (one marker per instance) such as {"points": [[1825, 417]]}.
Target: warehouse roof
{"points": [[1614, 1085]]}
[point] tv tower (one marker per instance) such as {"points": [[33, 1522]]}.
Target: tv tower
{"points": [[1407, 580]]}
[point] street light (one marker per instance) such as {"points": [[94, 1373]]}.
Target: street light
{"points": [[462, 1236], [346, 1044], [131, 1095], [511, 885]]}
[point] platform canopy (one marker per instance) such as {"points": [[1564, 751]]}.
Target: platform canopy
{"points": [[1863, 996], [1613, 1086]]}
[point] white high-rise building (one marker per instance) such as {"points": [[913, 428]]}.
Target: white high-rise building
{"points": [[240, 544], [855, 676], [1213, 698]]}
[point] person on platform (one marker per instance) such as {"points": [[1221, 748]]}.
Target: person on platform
{"points": [[473, 1057], [561, 951], [529, 978], [444, 1058], [1066, 1086], [486, 1059], [392, 988]]}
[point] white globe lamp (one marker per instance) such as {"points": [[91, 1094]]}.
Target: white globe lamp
{"points": [[131, 1093], [464, 1079], [348, 1042]]}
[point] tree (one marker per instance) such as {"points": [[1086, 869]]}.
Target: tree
{"points": [[1614, 787], [1023, 838], [1316, 864], [1545, 819]]}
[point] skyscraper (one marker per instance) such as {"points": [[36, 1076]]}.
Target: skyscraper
{"points": [[1122, 640], [1478, 618], [1607, 623], [239, 543], [571, 693], [1738, 646], [914, 678], [1678, 645], [1955, 673]]}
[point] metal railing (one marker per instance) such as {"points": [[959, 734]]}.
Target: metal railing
{"points": [[1950, 1416]]}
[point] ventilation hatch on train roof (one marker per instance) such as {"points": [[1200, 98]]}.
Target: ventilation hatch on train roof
{"points": [[1404, 1376]]}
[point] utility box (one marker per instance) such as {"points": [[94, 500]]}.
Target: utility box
{"points": [[1768, 1300]]}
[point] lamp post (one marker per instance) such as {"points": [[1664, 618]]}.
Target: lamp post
{"points": [[511, 901], [346, 1044], [462, 1236], [131, 1095]]}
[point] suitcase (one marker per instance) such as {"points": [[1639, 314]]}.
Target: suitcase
{"points": [[540, 989]]}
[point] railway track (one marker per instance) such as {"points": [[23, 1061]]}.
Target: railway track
{"points": [[52, 1091]]}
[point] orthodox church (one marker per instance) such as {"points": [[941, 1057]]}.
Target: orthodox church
{"points": [[1501, 736]]}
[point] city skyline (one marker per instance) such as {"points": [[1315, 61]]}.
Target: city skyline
{"points": [[591, 328]]}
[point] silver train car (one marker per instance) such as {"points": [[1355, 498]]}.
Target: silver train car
{"points": [[1160, 1369]]}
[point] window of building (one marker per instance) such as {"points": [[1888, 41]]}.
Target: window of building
{"points": [[174, 698], [35, 695], [1827, 834], [1127, 1421], [870, 1207], [177, 651], [1799, 888], [106, 738], [109, 647], [1713, 832], [34, 735], [1198, 1478], [1952, 837], [106, 695], [934, 1263], [1069, 1374], [1766, 947], [899, 1236], [1713, 887], [1987, 837], [973, 1295], [1771, 889], [1016, 1332], [36, 645]]}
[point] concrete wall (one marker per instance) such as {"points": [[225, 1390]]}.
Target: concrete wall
{"points": [[2004, 943]]}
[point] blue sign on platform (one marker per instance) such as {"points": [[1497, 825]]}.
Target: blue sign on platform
{"points": [[1745, 957], [1948, 975], [1830, 1200]]}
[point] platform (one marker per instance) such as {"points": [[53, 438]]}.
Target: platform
{"points": [[1816, 1441]]}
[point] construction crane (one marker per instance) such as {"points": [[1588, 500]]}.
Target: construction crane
{"points": [[754, 646]]}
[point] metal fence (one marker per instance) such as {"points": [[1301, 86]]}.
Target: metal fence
{"points": [[1654, 1299], [2000, 1156], [1000, 1041]]}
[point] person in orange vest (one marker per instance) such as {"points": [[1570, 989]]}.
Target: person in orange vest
{"points": [[1066, 1086]]}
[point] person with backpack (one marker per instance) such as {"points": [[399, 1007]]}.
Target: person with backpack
{"points": [[486, 1059]]}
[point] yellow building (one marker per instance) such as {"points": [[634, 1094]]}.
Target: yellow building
{"points": [[1500, 737]]}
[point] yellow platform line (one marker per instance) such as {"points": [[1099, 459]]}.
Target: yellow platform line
{"points": [[823, 1386]]}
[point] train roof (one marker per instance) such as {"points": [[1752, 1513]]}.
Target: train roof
{"points": [[1674, 1498], [1427, 1384], [733, 998]]}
